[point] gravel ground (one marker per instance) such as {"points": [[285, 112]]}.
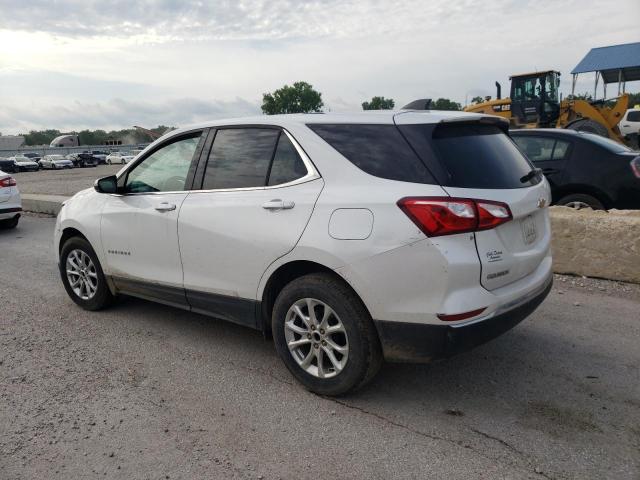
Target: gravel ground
{"points": [[62, 182], [146, 391]]}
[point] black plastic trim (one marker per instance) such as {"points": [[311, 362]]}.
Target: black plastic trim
{"points": [[233, 309], [242, 311], [10, 210], [421, 343]]}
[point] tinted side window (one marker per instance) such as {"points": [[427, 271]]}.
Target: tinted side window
{"points": [[473, 155], [379, 150], [287, 165], [634, 116], [560, 150], [240, 158], [165, 170], [537, 149]]}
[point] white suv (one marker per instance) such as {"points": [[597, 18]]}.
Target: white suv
{"points": [[350, 238]]}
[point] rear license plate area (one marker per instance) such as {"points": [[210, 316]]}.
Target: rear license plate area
{"points": [[529, 232]]}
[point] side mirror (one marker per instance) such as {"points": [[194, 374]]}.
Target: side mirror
{"points": [[106, 184]]}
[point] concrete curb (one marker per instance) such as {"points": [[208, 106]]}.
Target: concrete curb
{"points": [[595, 243], [49, 204], [584, 242]]}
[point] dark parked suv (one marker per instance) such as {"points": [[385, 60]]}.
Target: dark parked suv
{"points": [[584, 169]]}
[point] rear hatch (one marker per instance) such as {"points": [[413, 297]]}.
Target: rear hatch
{"points": [[475, 159]]}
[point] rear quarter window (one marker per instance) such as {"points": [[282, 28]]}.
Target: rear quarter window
{"points": [[471, 155], [379, 150]]}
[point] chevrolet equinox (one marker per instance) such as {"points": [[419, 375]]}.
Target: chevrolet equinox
{"points": [[350, 238]]}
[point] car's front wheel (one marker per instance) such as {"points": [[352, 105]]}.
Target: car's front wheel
{"points": [[82, 275], [325, 335]]}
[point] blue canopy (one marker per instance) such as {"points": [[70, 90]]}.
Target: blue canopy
{"points": [[617, 62]]}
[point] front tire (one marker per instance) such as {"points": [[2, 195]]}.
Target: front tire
{"points": [[589, 126], [324, 335], [82, 275]]}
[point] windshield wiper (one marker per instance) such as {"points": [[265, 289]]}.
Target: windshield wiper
{"points": [[533, 173]]}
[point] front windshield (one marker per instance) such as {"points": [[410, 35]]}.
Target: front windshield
{"points": [[607, 143]]}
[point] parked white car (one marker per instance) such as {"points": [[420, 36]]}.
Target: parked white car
{"points": [[55, 162], [630, 123], [407, 236], [10, 201], [119, 157]]}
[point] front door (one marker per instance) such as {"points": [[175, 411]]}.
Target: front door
{"points": [[258, 193], [139, 227]]}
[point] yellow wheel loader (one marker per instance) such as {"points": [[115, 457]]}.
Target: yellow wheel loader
{"points": [[534, 103]]}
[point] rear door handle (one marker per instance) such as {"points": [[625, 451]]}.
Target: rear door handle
{"points": [[278, 204], [165, 207]]}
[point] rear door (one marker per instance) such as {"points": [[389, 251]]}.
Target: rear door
{"points": [[479, 161], [257, 194], [547, 153]]}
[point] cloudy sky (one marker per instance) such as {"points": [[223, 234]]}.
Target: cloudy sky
{"points": [[110, 64]]}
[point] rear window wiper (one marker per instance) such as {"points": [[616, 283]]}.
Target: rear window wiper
{"points": [[533, 173]]}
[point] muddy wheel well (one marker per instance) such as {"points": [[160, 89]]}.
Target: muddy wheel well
{"points": [[68, 233], [281, 277]]}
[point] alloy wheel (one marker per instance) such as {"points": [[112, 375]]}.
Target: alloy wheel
{"points": [[316, 338], [577, 205], [82, 274]]}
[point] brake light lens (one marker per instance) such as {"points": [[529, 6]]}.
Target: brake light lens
{"points": [[437, 216], [635, 166], [8, 182]]}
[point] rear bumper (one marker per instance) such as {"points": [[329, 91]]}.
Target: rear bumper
{"points": [[7, 213], [422, 343]]}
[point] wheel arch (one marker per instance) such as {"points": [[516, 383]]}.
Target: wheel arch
{"points": [[70, 232], [576, 188], [283, 275]]}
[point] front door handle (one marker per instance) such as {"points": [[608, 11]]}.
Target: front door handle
{"points": [[165, 207], [278, 204]]}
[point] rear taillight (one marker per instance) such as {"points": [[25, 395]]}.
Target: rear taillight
{"points": [[437, 216], [8, 182], [635, 166]]}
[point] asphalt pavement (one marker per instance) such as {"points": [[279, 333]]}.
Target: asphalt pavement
{"points": [[146, 391]]}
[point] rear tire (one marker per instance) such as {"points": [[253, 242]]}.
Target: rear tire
{"points": [[98, 295], [589, 126], [339, 335], [580, 200]]}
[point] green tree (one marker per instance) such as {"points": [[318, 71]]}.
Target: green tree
{"points": [[40, 137], [379, 103], [445, 104], [477, 100], [634, 99], [581, 96], [299, 98]]}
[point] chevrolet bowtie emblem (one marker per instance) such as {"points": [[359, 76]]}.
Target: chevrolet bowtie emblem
{"points": [[542, 202]]}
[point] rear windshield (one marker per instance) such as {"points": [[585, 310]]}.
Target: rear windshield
{"points": [[610, 145], [379, 150], [471, 155]]}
